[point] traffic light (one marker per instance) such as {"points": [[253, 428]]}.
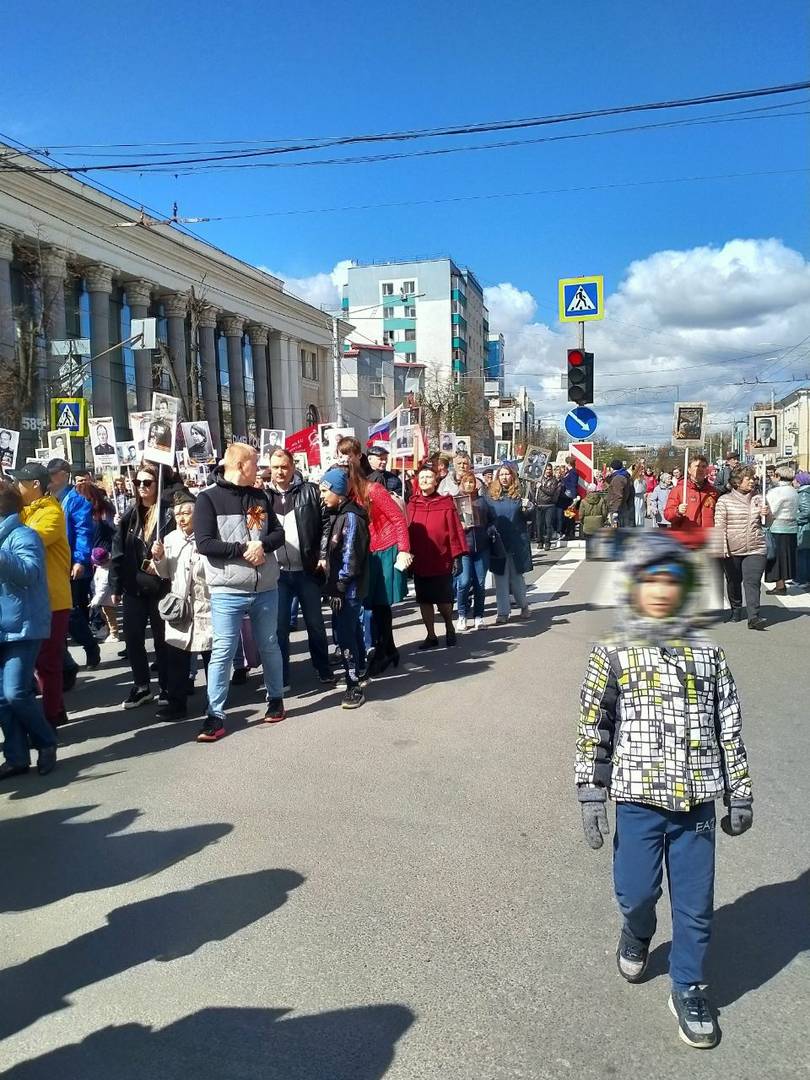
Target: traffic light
{"points": [[580, 376]]}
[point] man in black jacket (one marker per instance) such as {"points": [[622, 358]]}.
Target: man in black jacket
{"points": [[297, 505]]}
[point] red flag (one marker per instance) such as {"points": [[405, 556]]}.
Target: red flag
{"points": [[305, 441]]}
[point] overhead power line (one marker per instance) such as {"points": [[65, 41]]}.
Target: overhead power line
{"points": [[433, 133]]}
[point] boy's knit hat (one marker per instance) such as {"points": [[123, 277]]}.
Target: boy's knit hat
{"points": [[336, 480], [98, 556]]}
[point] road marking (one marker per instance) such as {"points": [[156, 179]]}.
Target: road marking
{"points": [[798, 599], [548, 585]]}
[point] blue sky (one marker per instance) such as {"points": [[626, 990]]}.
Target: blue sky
{"points": [[99, 73]]}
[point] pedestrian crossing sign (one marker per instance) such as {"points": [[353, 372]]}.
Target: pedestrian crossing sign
{"points": [[69, 414], [582, 298]]}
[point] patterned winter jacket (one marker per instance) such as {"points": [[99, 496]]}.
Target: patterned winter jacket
{"points": [[661, 725]]}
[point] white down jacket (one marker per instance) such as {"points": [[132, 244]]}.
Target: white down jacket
{"points": [[184, 568]]}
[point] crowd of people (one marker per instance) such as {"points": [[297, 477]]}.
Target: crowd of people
{"points": [[220, 575]]}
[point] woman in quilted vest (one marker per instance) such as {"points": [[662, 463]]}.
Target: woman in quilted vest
{"points": [[740, 518]]}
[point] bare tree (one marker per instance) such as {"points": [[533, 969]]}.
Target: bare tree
{"points": [[448, 407]]}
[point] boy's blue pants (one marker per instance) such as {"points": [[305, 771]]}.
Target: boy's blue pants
{"points": [[646, 839]]}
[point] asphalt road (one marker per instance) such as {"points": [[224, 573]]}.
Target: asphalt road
{"points": [[400, 891]]}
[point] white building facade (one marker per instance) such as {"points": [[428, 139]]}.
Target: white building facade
{"points": [[237, 350], [429, 311]]}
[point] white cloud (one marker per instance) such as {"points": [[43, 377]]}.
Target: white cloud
{"points": [[323, 290], [679, 319]]}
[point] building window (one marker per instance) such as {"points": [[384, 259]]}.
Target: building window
{"points": [[224, 387], [388, 288], [409, 287], [309, 365], [375, 388], [388, 313], [388, 337], [410, 312], [410, 335]]}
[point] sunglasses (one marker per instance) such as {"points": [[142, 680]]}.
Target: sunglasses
{"points": [[144, 483]]}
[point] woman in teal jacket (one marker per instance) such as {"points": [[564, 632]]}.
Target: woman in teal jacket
{"points": [[25, 622], [802, 484]]}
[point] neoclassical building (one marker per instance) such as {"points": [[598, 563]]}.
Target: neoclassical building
{"points": [[232, 344]]}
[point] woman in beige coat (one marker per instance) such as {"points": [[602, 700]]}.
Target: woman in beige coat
{"points": [[739, 520], [177, 560]]}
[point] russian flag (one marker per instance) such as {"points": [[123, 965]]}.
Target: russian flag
{"points": [[381, 431]]}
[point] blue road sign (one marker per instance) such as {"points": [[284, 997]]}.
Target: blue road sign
{"points": [[581, 299], [580, 423]]}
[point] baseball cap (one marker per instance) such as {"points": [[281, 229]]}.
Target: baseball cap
{"points": [[379, 449], [34, 470]]}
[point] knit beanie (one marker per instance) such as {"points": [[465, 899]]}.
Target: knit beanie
{"points": [[336, 480]]}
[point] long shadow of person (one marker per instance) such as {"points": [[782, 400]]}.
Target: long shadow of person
{"points": [[233, 1044], [55, 857], [162, 928], [758, 935]]}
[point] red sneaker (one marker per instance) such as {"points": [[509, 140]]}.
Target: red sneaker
{"points": [[212, 730], [275, 711]]}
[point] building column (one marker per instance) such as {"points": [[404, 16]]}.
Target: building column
{"points": [[206, 326], [53, 270], [8, 344], [99, 285], [279, 416], [139, 295], [176, 308], [232, 328], [258, 344], [295, 410]]}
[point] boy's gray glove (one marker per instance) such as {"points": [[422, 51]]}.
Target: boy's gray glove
{"points": [[739, 819], [594, 815]]}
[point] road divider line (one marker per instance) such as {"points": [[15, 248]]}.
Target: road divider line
{"points": [[549, 585]]}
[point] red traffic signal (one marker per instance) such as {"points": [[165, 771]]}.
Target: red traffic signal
{"points": [[580, 376]]}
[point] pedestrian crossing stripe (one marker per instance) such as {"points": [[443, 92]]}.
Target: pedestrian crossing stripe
{"points": [[581, 299]]}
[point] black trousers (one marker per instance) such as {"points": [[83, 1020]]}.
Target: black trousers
{"points": [[544, 524], [744, 572], [139, 612], [178, 672]]}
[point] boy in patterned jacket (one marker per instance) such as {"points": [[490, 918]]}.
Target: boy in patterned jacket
{"points": [[660, 732]]}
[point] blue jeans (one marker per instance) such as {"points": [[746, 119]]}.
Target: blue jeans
{"points": [[298, 585], [227, 611], [473, 574], [348, 627], [21, 715], [510, 582], [646, 839]]}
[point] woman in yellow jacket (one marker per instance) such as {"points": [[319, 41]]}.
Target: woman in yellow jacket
{"points": [[43, 514]]}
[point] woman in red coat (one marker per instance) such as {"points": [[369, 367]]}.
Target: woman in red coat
{"points": [[437, 544]]}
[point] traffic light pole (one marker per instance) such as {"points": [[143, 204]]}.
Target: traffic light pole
{"points": [[582, 334]]}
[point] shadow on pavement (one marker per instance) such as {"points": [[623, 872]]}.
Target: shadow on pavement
{"points": [[162, 928], [234, 1044], [54, 857], [758, 935], [152, 738]]}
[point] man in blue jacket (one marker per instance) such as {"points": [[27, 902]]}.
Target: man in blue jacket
{"points": [[25, 622], [79, 521]]}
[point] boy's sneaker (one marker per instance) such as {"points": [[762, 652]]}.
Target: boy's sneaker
{"points": [[501, 620], [353, 698], [479, 622], [212, 730], [139, 695], [631, 959], [275, 711], [696, 1021], [162, 699], [461, 623]]}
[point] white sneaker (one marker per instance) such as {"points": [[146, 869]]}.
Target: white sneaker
{"points": [[461, 623], [558, 543], [479, 622]]}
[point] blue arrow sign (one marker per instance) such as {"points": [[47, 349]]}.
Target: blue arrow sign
{"points": [[580, 423]]}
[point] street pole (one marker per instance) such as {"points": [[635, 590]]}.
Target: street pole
{"points": [[582, 334], [336, 371]]}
